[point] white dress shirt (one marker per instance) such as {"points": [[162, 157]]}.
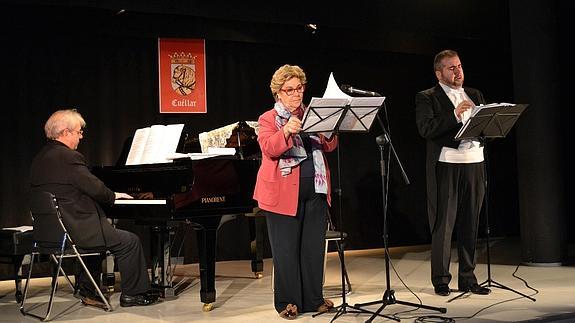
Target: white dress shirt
{"points": [[469, 151]]}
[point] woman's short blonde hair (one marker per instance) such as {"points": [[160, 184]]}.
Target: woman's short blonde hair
{"points": [[284, 74], [62, 120]]}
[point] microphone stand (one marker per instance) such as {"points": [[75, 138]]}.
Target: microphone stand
{"points": [[388, 297], [344, 308]]}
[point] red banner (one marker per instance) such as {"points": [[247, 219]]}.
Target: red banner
{"points": [[182, 73]]}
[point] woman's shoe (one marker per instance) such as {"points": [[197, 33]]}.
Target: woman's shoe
{"points": [[290, 312], [325, 307]]}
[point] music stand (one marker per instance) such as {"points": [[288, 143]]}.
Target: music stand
{"points": [[489, 122], [335, 115]]}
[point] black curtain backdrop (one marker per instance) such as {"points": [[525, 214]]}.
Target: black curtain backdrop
{"points": [[90, 59]]}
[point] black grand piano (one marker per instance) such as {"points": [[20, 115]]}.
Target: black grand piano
{"points": [[205, 192]]}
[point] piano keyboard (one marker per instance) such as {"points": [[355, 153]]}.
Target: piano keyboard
{"points": [[140, 202]]}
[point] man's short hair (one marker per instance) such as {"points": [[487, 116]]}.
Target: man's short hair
{"points": [[440, 56], [62, 120]]}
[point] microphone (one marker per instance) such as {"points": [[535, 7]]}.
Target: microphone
{"points": [[353, 90]]}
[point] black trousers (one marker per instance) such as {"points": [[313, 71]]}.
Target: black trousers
{"points": [[129, 256], [460, 193], [298, 249]]}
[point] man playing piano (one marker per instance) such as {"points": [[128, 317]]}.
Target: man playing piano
{"points": [[58, 168]]}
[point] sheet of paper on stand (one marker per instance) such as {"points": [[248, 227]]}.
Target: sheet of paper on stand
{"points": [[332, 90]]}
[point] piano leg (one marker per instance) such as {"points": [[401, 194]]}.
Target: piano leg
{"points": [[162, 277], [257, 226], [17, 262], [206, 234]]}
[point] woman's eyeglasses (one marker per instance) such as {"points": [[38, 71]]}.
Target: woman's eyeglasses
{"points": [[291, 91]]}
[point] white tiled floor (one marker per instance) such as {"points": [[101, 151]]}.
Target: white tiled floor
{"points": [[242, 298]]}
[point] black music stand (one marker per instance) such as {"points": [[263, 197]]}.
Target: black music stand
{"points": [[337, 115], [489, 122], [341, 114]]}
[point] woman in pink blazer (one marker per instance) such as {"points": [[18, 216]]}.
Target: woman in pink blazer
{"points": [[293, 189]]}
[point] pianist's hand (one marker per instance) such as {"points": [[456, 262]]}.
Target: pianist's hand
{"points": [[144, 196], [122, 196]]}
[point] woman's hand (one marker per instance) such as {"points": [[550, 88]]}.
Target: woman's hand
{"points": [[292, 126]]}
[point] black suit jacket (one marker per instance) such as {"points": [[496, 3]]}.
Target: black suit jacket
{"points": [[436, 123], [63, 172]]}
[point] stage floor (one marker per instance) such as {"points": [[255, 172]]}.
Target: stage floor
{"points": [[242, 298]]}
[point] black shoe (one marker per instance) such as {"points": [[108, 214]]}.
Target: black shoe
{"points": [[476, 289], [142, 299], [154, 292], [442, 290]]}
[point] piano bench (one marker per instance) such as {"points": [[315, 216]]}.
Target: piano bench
{"points": [[15, 245]]}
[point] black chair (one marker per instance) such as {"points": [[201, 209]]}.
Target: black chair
{"points": [[52, 239], [333, 235]]}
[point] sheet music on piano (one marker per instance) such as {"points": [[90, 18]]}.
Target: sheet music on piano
{"points": [[211, 152], [152, 145]]}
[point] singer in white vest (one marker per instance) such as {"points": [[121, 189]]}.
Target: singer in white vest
{"points": [[455, 173]]}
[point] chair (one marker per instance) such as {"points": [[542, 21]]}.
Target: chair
{"points": [[333, 235], [52, 239]]}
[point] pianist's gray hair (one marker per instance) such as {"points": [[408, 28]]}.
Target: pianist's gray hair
{"points": [[284, 74], [62, 120]]}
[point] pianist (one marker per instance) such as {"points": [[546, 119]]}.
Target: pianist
{"points": [[293, 189], [58, 168]]}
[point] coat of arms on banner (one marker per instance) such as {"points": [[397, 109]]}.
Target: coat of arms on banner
{"points": [[183, 69], [182, 76]]}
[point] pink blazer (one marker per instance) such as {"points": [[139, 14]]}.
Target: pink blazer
{"points": [[274, 192]]}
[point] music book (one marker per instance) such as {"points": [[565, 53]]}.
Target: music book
{"points": [[152, 145], [492, 120], [338, 108]]}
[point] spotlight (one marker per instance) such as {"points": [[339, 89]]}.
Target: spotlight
{"points": [[311, 27]]}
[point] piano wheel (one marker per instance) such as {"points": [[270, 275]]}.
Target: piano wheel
{"points": [[259, 275], [208, 307]]}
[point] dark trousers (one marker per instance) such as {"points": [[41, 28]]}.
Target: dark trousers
{"points": [[129, 256], [298, 249], [460, 193]]}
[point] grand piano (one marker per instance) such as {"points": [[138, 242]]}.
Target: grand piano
{"points": [[206, 193]]}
